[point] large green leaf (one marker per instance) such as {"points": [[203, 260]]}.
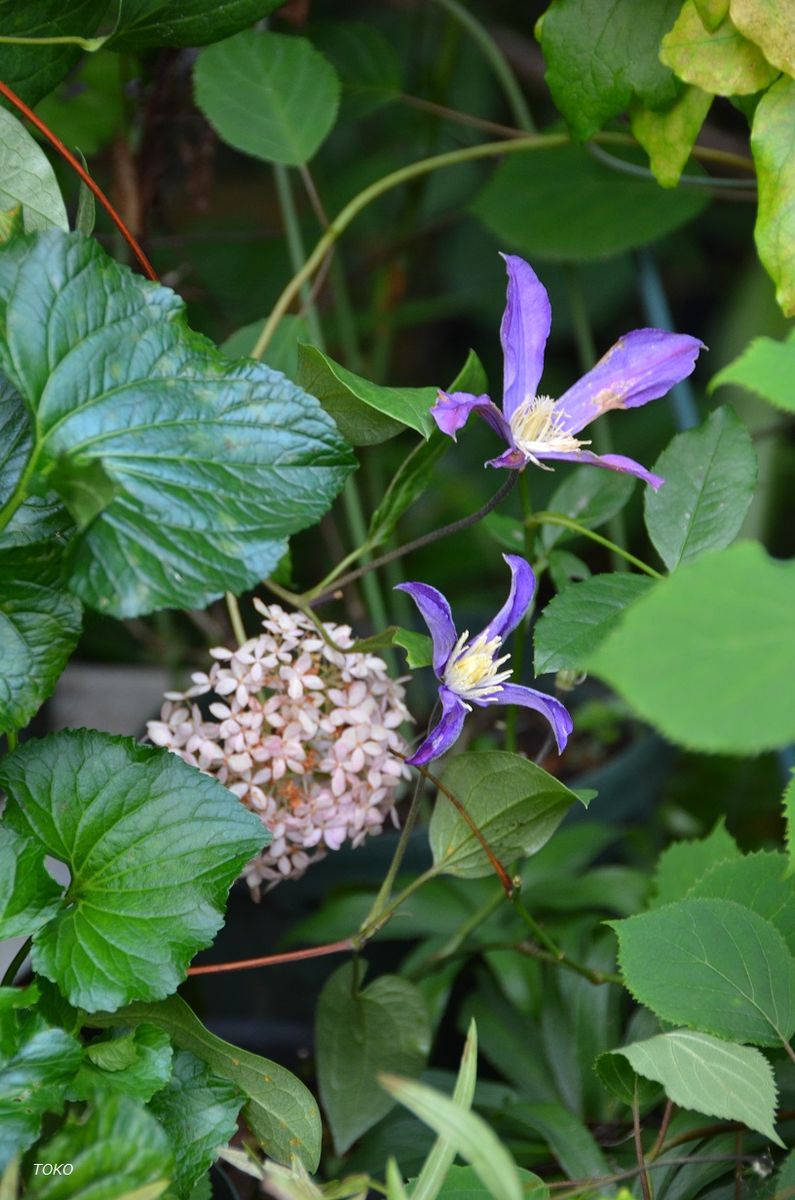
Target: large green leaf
{"points": [[190, 23], [185, 472], [33, 71], [361, 1032], [772, 143], [40, 623], [582, 210], [713, 965], [766, 368], [720, 61], [36, 1065], [29, 896], [759, 882], [135, 1062], [267, 94], [515, 804], [682, 864], [600, 57], [280, 1111], [118, 1150], [766, 23], [152, 846], [708, 656], [472, 1138], [577, 620], [199, 1113], [27, 178], [710, 1076], [710, 476], [364, 412], [789, 818]]}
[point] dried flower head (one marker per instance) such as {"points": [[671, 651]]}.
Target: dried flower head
{"points": [[307, 736]]}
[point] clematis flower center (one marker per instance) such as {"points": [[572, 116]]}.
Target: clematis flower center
{"points": [[473, 669], [536, 428]]}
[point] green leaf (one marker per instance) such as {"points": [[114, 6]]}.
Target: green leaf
{"points": [[120, 1148], [708, 656], [710, 476], [471, 378], [472, 1138], [618, 1077], [133, 1062], [282, 351], [590, 497], [566, 568], [366, 62], [33, 71], [766, 368], [267, 94], [507, 532], [199, 1113], [364, 412], [29, 896], [712, 12], [759, 882], [789, 818], [772, 143], [669, 135], [580, 617], [280, 1111], [36, 1064], [572, 1143], [516, 805], [713, 1077], [418, 646], [88, 109], [582, 210], [684, 863], [39, 627], [361, 1032], [712, 965], [131, 409], [765, 23], [27, 178], [721, 61], [442, 1154], [462, 1183], [600, 57], [152, 846], [411, 479], [194, 23]]}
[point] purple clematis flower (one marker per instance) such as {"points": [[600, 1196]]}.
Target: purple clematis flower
{"points": [[468, 669], [641, 366]]}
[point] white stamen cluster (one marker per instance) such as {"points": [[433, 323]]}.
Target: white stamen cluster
{"points": [[307, 736], [536, 427], [473, 670]]}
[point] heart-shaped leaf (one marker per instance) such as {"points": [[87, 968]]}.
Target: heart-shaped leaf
{"points": [[152, 846]]}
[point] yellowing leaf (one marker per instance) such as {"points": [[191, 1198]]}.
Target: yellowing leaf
{"points": [[773, 143], [721, 61], [668, 136], [768, 23]]}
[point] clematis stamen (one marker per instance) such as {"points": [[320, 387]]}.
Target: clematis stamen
{"points": [[537, 427], [473, 671]]}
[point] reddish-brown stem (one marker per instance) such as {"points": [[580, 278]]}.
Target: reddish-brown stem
{"points": [[80, 170], [273, 960]]}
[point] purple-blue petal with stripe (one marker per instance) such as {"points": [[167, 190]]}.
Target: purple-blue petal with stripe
{"points": [[436, 614], [610, 462], [555, 712], [452, 409], [523, 585], [641, 366], [445, 733], [525, 327], [513, 459]]}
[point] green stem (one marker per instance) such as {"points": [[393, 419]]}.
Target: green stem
{"points": [[89, 44], [16, 963], [554, 954], [12, 740], [373, 924], [456, 941], [546, 518], [586, 352], [394, 179], [495, 58], [385, 891], [299, 603], [520, 640], [235, 619]]}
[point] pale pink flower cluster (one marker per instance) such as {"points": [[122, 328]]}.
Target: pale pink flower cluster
{"points": [[307, 736]]}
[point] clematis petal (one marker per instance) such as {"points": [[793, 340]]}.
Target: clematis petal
{"points": [[513, 459], [451, 413], [611, 462], [641, 366], [555, 712], [523, 585], [445, 733], [524, 331], [437, 616]]}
